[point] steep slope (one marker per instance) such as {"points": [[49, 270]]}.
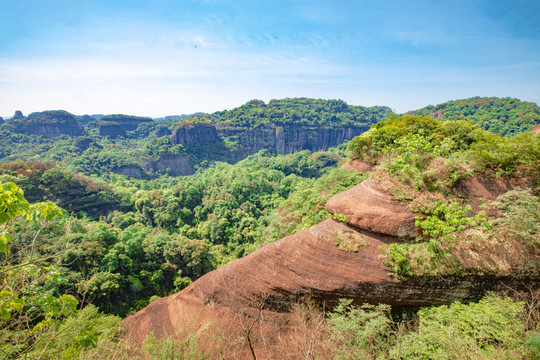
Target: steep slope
{"points": [[118, 125], [326, 262], [49, 124]]}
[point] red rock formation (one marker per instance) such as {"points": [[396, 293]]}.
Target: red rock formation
{"points": [[357, 165], [436, 115], [369, 208], [259, 287]]}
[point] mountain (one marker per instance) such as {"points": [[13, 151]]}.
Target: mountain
{"points": [[507, 116], [171, 117], [118, 125], [326, 262], [421, 230], [277, 256], [48, 124], [140, 147]]}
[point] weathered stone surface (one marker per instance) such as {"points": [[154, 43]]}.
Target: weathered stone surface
{"points": [[310, 264], [369, 208], [118, 125], [357, 165], [195, 134], [133, 171], [306, 264], [49, 124], [173, 165], [289, 138]]}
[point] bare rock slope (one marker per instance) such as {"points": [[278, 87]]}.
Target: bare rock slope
{"points": [[310, 263]]}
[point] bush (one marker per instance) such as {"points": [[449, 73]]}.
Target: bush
{"points": [[489, 329]]}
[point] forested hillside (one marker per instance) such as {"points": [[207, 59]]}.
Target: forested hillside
{"points": [[506, 116], [126, 230], [300, 111], [142, 148]]}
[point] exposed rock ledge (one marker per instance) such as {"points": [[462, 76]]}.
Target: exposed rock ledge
{"points": [[310, 264]]}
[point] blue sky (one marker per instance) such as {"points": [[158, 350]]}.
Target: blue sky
{"points": [[164, 57]]}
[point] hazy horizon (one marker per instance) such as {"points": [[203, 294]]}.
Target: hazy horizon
{"points": [[169, 57]]}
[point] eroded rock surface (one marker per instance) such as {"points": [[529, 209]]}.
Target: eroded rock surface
{"points": [[367, 207], [49, 124], [326, 262]]}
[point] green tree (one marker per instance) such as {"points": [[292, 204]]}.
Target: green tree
{"points": [[28, 314]]}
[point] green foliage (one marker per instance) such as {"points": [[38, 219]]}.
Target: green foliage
{"points": [[28, 314], [517, 228], [442, 222], [340, 217], [72, 192], [521, 218], [505, 156], [489, 329], [79, 336], [256, 113], [444, 219], [506, 116], [183, 346], [305, 206], [361, 332]]}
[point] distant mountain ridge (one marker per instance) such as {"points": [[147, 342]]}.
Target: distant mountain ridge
{"points": [[143, 147], [507, 116]]}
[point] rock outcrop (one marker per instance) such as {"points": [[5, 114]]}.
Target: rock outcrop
{"points": [[195, 134], [282, 139], [310, 264], [367, 207], [287, 139], [133, 171], [118, 125], [49, 124], [172, 165]]}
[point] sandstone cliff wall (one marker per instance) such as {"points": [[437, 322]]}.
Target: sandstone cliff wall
{"points": [[48, 124], [290, 138], [310, 264]]}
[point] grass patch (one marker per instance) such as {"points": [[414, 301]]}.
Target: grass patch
{"points": [[349, 240]]}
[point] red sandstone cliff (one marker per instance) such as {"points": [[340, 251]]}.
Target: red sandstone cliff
{"points": [[259, 287]]}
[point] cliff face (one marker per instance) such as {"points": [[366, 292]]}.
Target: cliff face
{"points": [[290, 138], [283, 139], [131, 171], [119, 125], [310, 264], [173, 165], [48, 124], [195, 134]]}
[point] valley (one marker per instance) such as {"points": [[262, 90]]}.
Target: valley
{"points": [[297, 228]]}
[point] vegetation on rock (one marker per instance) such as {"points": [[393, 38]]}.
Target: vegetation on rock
{"points": [[120, 241]]}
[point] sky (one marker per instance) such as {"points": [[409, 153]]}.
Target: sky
{"points": [[171, 57]]}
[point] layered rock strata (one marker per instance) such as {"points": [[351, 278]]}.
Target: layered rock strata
{"points": [[311, 264], [49, 124]]}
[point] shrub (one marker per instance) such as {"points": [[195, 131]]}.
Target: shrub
{"points": [[489, 329]]}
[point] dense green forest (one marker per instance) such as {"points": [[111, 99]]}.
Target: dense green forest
{"points": [[506, 116], [256, 113], [113, 243], [135, 146]]}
